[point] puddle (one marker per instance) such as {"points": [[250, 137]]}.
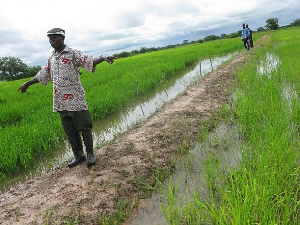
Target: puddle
{"points": [[268, 65], [106, 129], [222, 146], [192, 174], [288, 92], [151, 103], [288, 95]]}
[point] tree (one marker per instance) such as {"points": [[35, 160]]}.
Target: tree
{"points": [[32, 71], [123, 54], [296, 23], [272, 24], [185, 42], [11, 67], [234, 34], [134, 52], [223, 36], [259, 29], [171, 46], [211, 38], [143, 50]]}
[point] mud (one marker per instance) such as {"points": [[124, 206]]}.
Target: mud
{"points": [[87, 194]]}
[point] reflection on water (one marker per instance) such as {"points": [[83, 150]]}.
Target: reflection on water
{"points": [[152, 102], [222, 146], [106, 129], [288, 95], [268, 65], [192, 175]]}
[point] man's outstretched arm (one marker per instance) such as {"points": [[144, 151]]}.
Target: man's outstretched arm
{"points": [[23, 87], [109, 59]]}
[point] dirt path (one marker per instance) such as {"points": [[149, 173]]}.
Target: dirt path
{"points": [[85, 194]]}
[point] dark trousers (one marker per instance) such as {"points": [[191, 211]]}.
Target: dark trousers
{"points": [[251, 42], [246, 41], [76, 121]]}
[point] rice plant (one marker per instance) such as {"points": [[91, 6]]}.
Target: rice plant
{"points": [[29, 128], [264, 188]]}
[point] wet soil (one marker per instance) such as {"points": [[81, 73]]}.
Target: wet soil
{"points": [[124, 164]]}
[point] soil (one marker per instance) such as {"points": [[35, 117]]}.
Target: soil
{"points": [[124, 164]]}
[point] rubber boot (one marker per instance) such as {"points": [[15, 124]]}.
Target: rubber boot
{"points": [[76, 144], [88, 142]]}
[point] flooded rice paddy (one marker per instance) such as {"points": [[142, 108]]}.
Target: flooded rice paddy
{"points": [[108, 128], [222, 145]]}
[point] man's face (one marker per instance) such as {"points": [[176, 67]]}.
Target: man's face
{"points": [[56, 41]]}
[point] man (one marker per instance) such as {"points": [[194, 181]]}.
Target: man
{"points": [[245, 36], [62, 68], [250, 36]]}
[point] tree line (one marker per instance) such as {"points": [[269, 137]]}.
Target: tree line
{"points": [[12, 68], [271, 24]]}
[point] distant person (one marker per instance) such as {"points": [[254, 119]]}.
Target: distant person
{"points": [[63, 69], [245, 36], [250, 36]]}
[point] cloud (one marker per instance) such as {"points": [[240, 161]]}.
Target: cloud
{"points": [[100, 27], [130, 19]]}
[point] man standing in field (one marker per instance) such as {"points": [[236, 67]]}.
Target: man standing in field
{"points": [[245, 36], [62, 68], [250, 36]]}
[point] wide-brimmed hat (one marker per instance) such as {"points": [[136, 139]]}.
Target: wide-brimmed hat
{"points": [[56, 31]]}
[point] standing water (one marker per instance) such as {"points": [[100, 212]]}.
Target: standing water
{"points": [[206, 162], [193, 174], [106, 129]]}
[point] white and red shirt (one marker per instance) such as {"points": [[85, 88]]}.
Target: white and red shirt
{"points": [[63, 70]]}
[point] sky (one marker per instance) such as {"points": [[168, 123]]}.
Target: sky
{"points": [[98, 27]]}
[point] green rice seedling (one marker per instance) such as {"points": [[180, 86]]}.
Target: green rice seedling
{"points": [[171, 210], [264, 188], [29, 128], [188, 161], [123, 209]]}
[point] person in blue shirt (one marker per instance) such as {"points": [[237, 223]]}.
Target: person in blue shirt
{"points": [[245, 36], [250, 36]]}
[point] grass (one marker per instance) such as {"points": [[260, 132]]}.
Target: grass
{"points": [[29, 128], [264, 188]]}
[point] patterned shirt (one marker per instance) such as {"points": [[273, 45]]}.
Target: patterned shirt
{"points": [[63, 70]]}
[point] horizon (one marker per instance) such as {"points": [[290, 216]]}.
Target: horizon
{"points": [[113, 27]]}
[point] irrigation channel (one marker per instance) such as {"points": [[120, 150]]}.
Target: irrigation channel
{"points": [[191, 174], [106, 129]]}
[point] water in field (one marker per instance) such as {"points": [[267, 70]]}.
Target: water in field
{"points": [[106, 129], [268, 65], [221, 148]]}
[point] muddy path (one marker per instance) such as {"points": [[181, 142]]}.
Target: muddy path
{"points": [[134, 156]]}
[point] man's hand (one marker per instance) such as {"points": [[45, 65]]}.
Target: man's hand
{"points": [[23, 88], [109, 59]]}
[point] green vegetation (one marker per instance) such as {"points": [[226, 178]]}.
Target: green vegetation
{"points": [[272, 24], [12, 68], [29, 128], [264, 187]]}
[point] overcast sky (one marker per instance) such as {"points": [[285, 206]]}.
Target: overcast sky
{"points": [[99, 27]]}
